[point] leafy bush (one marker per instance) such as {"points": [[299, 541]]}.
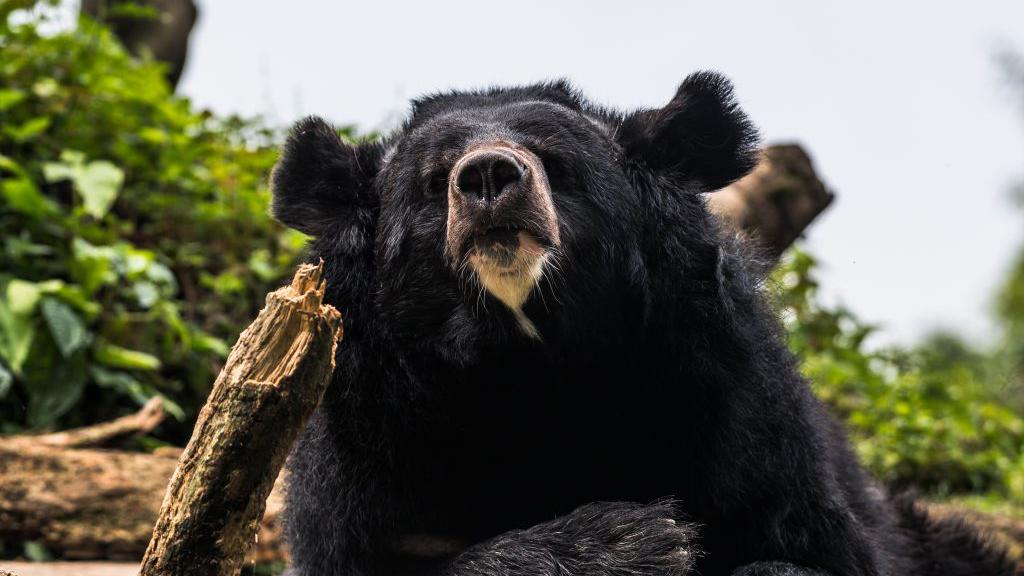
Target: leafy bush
{"points": [[1010, 312], [927, 417], [134, 229]]}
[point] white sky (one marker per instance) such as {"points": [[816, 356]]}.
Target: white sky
{"points": [[900, 103]]}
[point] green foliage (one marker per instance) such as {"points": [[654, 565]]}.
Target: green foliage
{"points": [[928, 417], [1010, 313], [134, 234]]}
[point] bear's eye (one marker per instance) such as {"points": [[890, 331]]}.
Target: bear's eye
{"points": [[561, 175], [436, 187]]}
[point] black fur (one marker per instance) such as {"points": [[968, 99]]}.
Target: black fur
{"points": [[659, 373], [612, 539]]}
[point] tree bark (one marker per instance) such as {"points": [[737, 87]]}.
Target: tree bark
{"points": [[272, 382], [776, 202], [91, 504]]}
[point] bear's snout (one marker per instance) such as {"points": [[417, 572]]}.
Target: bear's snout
{"points": [[501, 218], [498, 187]]}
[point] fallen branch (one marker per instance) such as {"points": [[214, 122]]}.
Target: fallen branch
{"points": [[272, 381], [137, 424]]}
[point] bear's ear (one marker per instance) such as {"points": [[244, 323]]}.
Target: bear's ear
{"points": [[701, 138], [320, 180]]}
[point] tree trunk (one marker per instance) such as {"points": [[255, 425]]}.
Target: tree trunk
{"points": [[165, 36], [776, 202], [272, 382]]}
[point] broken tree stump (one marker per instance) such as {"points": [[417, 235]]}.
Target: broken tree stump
{"points": [[272, 382], [775, 203]]}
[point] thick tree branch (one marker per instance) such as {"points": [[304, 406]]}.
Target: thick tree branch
{"points": [[777, 201], [272, 382]]}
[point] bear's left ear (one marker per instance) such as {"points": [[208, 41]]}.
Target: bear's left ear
{"points": [[701, 138], [320, 181]]}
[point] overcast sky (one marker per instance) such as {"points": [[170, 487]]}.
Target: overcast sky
{"points": [[901, 104]]}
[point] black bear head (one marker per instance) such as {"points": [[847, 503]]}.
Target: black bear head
{"points": [[492, 215]]}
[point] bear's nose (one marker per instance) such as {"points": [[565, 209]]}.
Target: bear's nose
{"points": [[487, 174]]}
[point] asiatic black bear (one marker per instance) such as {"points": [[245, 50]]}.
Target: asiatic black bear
{"points": [[557, 363]]}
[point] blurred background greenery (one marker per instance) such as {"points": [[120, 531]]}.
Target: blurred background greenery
{"points": [[136, 244]]}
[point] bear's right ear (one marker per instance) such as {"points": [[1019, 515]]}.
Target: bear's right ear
{"points": [[321, 181]]}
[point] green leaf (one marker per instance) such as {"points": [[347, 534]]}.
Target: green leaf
{"points": [[125, 383], [98, 183], [57, 171], [146, 294], [122, 382], [131, 10], [6, 380], [27, 130], [118, 357], [92, 266], [65, 326], [72, 157], [10, 97], [53, 384], [21, 194], [16, 334], [202, 342], [75, 297], [8, 164], [22, 296]]}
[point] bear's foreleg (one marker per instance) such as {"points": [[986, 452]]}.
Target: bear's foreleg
{"points": [[599, 539], [775, 569]]}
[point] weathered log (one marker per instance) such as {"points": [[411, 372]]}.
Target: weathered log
{"points": [[272, 382], [89, 504], [80, 503], [73, 568], [777, 201]]}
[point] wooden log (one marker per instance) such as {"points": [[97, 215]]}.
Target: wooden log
{"points": [[776, 202], [71, 568], [79, 503], [91, 504], [272, 381]]}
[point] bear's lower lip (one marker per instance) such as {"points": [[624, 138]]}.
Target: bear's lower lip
{"points": [[498, 245], [508, 263]]}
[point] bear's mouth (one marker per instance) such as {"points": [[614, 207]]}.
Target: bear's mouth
{"points": [[505, 250], [508, 261], [501, 221], [499, 247]]}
